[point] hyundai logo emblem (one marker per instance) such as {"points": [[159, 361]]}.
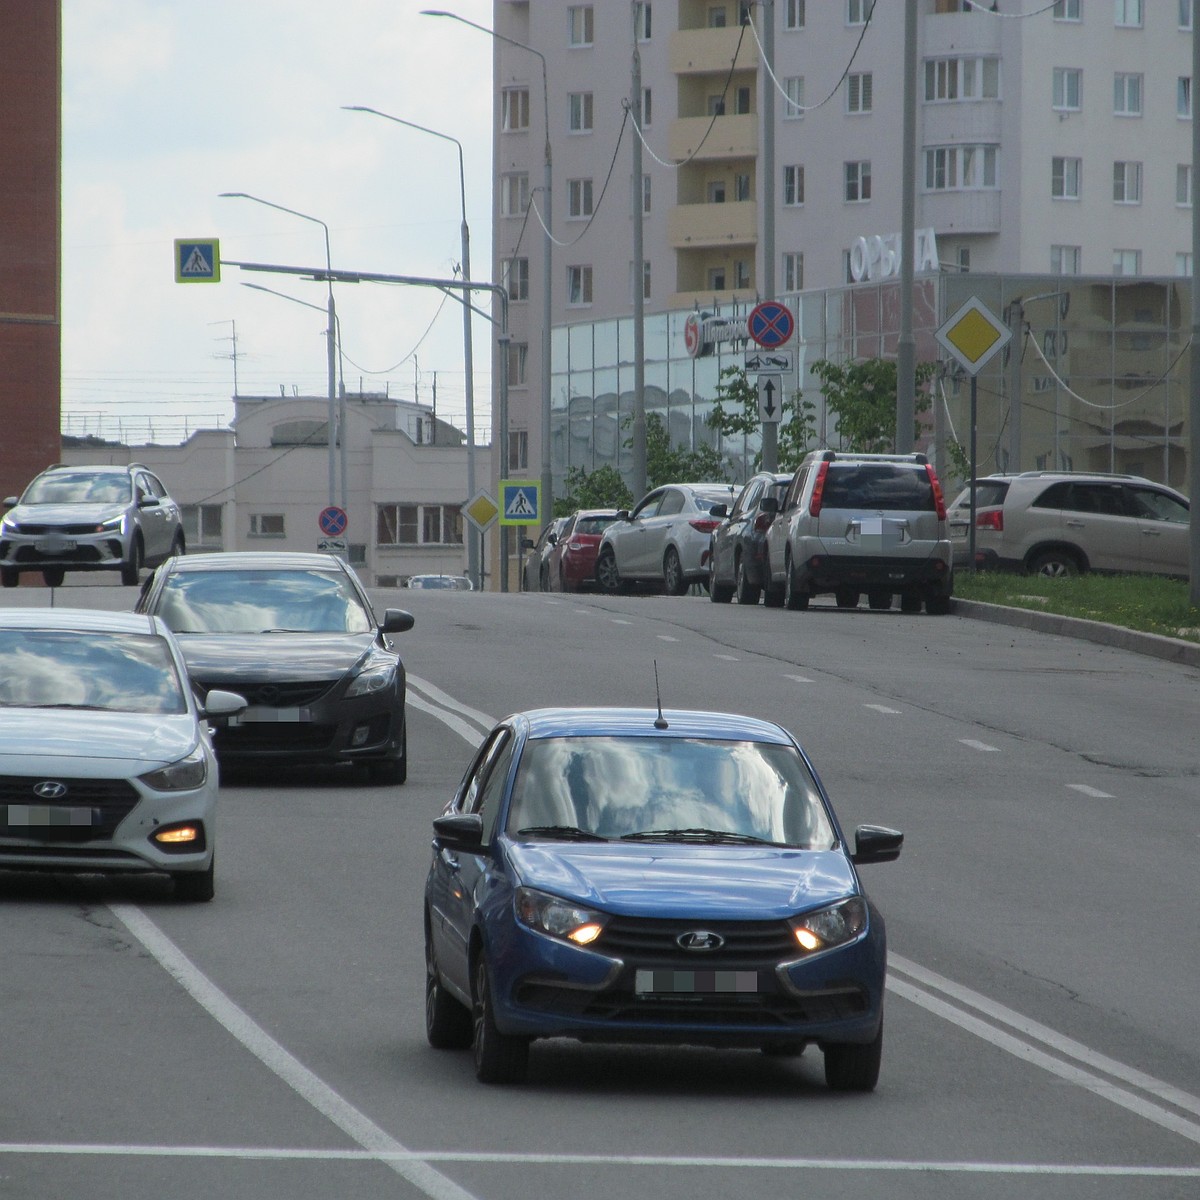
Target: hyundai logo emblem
{"points": [[700, 939], [50, 789]]}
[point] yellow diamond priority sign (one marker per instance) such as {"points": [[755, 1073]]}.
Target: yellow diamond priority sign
{"points": [[481, 511], [973, 335]]}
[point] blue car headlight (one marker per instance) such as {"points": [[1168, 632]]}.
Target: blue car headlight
{"points": [[829, 927], [558, 918], [182, 776], [376, 673]]}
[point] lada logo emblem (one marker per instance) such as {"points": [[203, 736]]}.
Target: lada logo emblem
{"points": [[50, 789], [700, 939]]}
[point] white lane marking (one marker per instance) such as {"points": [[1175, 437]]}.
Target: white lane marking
{"points": [[972, 744], [1101, 1170], [309, 1086], [883, 708], [727, 657], [1095, 793], [621, 621], [666, 637], [798, 678], [444, 698], [467, 732], [1060, 1044]]}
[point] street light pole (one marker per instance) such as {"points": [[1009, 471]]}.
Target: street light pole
{"points": [[547, 479], [330, 334], [468, 353]]}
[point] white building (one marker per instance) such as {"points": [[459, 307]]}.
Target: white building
{"points": [[1052, 143]]}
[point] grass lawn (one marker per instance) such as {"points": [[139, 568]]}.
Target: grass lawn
{"points": [[1142, 602]]}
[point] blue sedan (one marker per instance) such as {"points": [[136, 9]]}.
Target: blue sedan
{"points": [[627, 875]]}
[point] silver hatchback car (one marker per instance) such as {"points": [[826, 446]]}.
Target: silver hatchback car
{"points": [[854, 523], [89, 518]]}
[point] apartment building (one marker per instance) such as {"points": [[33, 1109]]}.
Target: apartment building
{"points": [[1052, 140]]}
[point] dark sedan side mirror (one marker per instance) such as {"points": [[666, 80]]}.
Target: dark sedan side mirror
{"points": [[623, 514], [459, 831], [719, 511], [768, 504], [876, 844], [396, 620]]}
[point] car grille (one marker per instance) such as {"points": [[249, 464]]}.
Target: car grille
{"points": [[31, 530], [110, 801], [288, 694], [87, 553], [747, 944]]}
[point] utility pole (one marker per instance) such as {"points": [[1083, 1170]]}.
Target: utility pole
{"points": [[906, 348], [638, 479], [766, 185]]}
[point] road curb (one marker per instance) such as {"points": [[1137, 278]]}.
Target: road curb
{"points": [[1171, 649]]}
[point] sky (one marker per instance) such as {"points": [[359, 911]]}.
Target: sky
{"points": [[169, 103]]}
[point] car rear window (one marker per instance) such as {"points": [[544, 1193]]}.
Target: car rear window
{"points": [[886, 486], [593, 524]]}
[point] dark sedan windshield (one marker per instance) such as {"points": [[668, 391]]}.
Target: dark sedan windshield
{"points": [[261, 601], [620, 786]]}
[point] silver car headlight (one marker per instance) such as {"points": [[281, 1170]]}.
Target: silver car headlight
{"points": [[829, 927], [9, 526], [113, 526], [558, 918], [376, 673], [183, 776]]}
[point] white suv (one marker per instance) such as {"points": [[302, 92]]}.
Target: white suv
{"points": [[854, 523], [1069, 522]]}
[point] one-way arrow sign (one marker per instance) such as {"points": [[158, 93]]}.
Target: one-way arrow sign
{"points": [[770, 398]]}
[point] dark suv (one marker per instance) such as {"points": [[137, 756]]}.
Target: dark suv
{"points": [[89, 518], [854, 523]]}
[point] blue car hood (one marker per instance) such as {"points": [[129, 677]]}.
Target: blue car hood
{"points": [[667, 880]]}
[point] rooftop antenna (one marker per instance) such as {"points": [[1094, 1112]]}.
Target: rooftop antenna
{"points": [[660, 722]]}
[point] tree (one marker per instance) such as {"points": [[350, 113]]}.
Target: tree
{"points": [[863, 397], [797, 428], [602, 488], [668, 464]]}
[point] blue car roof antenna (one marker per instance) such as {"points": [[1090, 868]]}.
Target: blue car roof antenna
{"points": [[660, 722]]}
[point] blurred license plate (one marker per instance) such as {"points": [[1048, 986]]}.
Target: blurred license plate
{"points": [[958, 531], [259, 714], [44, 816], [658, 983], [55, 545]]}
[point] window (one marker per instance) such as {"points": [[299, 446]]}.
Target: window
{"points": [[793, 271], [266, 525], [962, 258], [514, 109], [1068, 89], [793, 104], [1183, 185], [1066, 10], [579, 106], [793, 14], [716, 106], [716, 279], [400, 524], [717, 16], [1064, 178], [1183, 97], [955, 168], [716, 191], [1127, 182], [514, 194], [1127, 262], [793, 186], [857, 11], [1065, 260], [741, 186], [641, 22], [858, 181], [518, 358], [1183, 262], [579, 25], [858, 93], [579, 285], [645, 280], [1127, 95], [741, 100], [1129, 13], [202, 524], [647, 110], [579, 198], [518, 450], [949, 79], [741, 273], [1185, 19], [516, 279], [646, 189]]}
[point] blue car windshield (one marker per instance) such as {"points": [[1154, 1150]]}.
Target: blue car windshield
{"points": [[111, 672], [626, 787]]}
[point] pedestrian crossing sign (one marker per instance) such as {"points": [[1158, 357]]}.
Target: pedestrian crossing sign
{"points": [[197, 260], [520, 502]]}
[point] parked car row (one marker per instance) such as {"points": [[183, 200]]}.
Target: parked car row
{"points": [[563, 559]]}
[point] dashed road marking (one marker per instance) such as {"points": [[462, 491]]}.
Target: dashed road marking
{"points": [[1095, 793], [972, 744]]}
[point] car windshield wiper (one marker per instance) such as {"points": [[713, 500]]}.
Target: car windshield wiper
{"points": [[568, 833], [709, 836], [80, 707]]}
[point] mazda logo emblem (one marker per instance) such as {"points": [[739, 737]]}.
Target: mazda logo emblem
{"points": [[50, 789], [700, 939]]}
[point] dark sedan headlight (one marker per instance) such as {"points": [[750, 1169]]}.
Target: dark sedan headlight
{"points": [[558, 918], [376, 673], [829, 927], [182, 776]]}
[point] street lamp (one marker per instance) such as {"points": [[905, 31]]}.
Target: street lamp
{"points": [[468, 355], [330, 332], [547, 484]]}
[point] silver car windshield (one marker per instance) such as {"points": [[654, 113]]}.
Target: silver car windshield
{"points": [[78, 487], [685, 788], [262, 601], [110, 672]]}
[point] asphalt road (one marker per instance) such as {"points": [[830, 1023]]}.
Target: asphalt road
{"points": [[1042, 1011]]}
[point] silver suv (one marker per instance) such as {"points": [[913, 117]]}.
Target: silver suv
{"points": [[854, 523], [89, 518], [1069, 522]]}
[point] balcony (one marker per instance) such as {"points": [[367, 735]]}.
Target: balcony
{"points": [[731, 137], [700, 226], [710, 51]]}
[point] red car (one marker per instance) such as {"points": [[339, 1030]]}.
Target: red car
{"points": [[572, 563]]}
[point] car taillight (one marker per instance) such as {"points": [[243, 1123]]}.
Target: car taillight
{"points": [[704, 524], [938, 498], [814, 505], [994, 520]]}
